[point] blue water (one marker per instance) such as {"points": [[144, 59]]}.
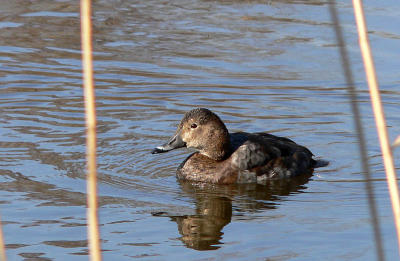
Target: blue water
{"points": [[260, 65]]}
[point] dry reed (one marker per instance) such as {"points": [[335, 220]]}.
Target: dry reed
{"points": [[90, 112], [396, 142], [378, 113], [359, 130], [2, 247]]}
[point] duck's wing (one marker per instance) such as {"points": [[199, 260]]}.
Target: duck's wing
{"points": [[254, 152], [271, 155], [273, 137], [283, 142]]}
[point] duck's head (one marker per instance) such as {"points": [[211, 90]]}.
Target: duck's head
{"points": [[202, 130]]}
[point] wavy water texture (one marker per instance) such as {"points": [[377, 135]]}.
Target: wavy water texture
{"points": [[260, 65]]}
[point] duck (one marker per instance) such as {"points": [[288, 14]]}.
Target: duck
{"points": [[228, 158]]}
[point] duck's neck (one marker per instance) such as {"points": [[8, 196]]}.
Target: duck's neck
{"points": [[220, 147]]}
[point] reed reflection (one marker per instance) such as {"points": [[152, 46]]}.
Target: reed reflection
{"points": [[203, 230]]}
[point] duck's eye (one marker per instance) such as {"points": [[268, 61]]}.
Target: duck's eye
{"points": [[193, 126]]}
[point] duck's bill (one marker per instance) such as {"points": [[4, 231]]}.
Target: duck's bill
{"points": [[175, 143]]}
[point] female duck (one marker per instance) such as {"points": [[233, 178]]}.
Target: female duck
{"points": [[237, 157]]}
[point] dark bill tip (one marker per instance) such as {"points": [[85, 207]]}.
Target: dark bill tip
{"points": [[174, 143], [158, 150]]}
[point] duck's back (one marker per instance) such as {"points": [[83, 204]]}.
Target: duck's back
{"points": [[254, 158], [263, 156]]}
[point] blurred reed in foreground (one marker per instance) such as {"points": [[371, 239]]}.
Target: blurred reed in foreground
{"points": [[2, 247], [90, 115], [378, 113], [362, 146]]}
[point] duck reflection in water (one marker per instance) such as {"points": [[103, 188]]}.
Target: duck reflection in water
{"points": [[256, 169], [203, 230]]}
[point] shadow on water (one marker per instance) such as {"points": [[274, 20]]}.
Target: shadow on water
{"points": [[214, 204]]}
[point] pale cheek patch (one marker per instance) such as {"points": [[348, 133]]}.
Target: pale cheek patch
{"points": [[185, 137]]}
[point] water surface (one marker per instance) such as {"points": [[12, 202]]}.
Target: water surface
{"points": [[260, 65]]}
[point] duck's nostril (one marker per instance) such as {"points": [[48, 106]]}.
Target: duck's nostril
{"points": [[172, 141]]}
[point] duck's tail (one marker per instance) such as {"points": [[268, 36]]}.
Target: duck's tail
{"points": [[319, 163]]}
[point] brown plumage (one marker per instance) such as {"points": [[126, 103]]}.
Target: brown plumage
{"points": [[238, 157]]}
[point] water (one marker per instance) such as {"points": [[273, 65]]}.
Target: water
{"points": [[260, 65]]}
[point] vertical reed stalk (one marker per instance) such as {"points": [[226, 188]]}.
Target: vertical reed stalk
{"points": [[379, 113], [90, 110], [2, 247], [362, 146], [396, 142]]}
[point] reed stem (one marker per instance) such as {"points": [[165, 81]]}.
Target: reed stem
{"points": [[90, 112], [378, 113], [396, 142], [3, 256], [362, 146]]}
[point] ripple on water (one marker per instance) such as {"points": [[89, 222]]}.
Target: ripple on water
{"points": [[260, 66]]}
